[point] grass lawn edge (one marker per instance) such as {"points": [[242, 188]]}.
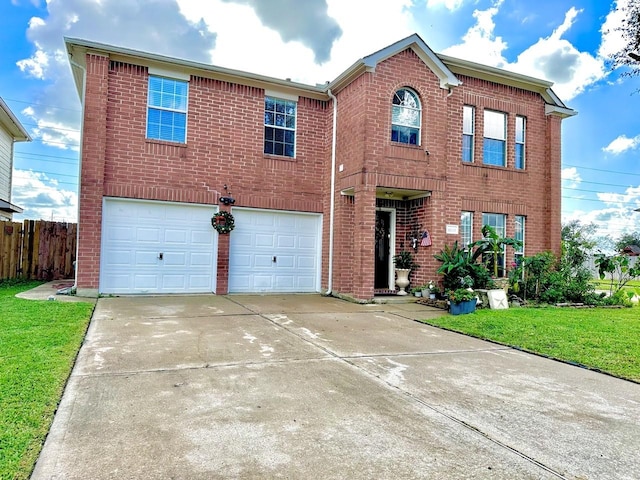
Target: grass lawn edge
{"points": [[532, 352]]}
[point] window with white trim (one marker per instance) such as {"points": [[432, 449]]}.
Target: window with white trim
{"points": [[167, 109], [521, 125], [280, 126], [495, 138], [406, 117], [519, 235], [466, 229], [498, 222], [468, 131]]}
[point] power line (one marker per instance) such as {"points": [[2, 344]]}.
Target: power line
{"points": [[42, 105], [52, 128], [602, 170]]}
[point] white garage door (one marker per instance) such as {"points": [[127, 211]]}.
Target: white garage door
{"points": [[157, 247], [274, 251]]}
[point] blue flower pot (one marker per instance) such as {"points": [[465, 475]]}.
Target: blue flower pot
{"points": [[468, 306]]}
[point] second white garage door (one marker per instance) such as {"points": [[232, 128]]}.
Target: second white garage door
{"points": [[275, 252]]}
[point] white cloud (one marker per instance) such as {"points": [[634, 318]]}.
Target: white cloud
{"points": [[551, 58], [449, 4], [571, 176], [622, 144], [480, 44], [36, 65], [367, 25], [612, 39], [41, 197]]}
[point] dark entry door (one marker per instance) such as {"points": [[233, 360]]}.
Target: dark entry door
{"points": [[383, 249]]}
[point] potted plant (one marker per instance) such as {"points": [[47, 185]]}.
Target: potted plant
{"points": [[417, 291], [430, 290], [461, 301], [404, 263]]}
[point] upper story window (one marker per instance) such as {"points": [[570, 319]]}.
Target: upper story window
{"points": [[521, 125], [167, 109], [495, 138], [279, 126], [406, 117], [468, 132]]}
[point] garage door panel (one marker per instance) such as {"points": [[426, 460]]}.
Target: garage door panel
{"points": [[262, 282], [149, 235], [145, 258], [136, 232], [263, 240], [262, 261], [260, 235], [203, 260]]}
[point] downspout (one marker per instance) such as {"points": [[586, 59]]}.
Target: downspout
{"points": [[333, 187], [82, 100]]}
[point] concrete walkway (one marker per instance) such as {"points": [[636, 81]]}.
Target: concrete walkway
{"points": [[306, 387]]}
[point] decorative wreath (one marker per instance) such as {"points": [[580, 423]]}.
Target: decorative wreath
{"points": [[223, 222]]}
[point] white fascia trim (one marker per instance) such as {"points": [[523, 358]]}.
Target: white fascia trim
{"points": [[163, 72], [280, 94], [559, 111]]}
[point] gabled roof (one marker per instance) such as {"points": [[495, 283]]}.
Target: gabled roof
{"points": [[444, 67], [415, 43], [11, 124], [505, 77]]}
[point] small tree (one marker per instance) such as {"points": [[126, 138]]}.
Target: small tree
{"points": [[493, 245], [620, 270]]}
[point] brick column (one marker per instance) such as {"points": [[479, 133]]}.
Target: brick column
{"points": [[363, 259], [92, 175]]}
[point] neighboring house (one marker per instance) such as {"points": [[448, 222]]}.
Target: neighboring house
{"points": [[329, 181], [11, 131], [631, 250]]}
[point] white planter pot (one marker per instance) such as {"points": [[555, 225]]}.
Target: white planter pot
{"points": [[402, 280]]}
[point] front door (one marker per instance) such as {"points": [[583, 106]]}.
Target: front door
{"points": [[383, 250]]}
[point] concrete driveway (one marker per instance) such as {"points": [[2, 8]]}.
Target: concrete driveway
{"points": [[306, 387]]}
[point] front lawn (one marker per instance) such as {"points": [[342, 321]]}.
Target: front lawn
{"points": [[39, 341], [603, 339]]}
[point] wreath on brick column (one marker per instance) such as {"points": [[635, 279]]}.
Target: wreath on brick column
{"points": [[223, 222]]}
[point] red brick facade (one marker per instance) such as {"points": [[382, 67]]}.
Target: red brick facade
{"points": [[224, 146]]}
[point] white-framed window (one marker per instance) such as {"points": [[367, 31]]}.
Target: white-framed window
{"points": [[167, 109], [406, 117], [519, 235], [498, 222], [495, 138], [280, 126], [468, 132], [521, 126], [466, 229]]}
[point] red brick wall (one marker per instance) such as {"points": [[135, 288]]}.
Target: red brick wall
{"points": [[225, 147], [370, 159]]}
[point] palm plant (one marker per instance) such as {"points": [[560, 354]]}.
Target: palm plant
{"points": [[492, 244]]}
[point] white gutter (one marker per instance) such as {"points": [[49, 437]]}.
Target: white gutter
{"points": [[333, 188], [82, 101]]}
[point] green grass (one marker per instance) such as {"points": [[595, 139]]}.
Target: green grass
{"points": [[39, 341], [602, 339]]}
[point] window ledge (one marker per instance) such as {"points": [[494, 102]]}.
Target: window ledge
{"points": [[493, 167], [165, 142], [269, 156]]}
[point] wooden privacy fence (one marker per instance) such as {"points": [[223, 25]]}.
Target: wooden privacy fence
{"points": [[37, 250]]}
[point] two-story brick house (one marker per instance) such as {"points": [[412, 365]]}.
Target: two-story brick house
{"points": [[328, 182]]}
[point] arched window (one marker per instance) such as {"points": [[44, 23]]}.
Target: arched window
{"points": [[406, 117]]}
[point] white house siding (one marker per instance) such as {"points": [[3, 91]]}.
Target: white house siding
{"points": [[6, 149]]}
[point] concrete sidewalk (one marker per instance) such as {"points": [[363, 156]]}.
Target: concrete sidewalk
{"points": [[302, 386]]}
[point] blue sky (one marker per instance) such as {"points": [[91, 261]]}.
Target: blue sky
{"points": [[312, 41]]}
